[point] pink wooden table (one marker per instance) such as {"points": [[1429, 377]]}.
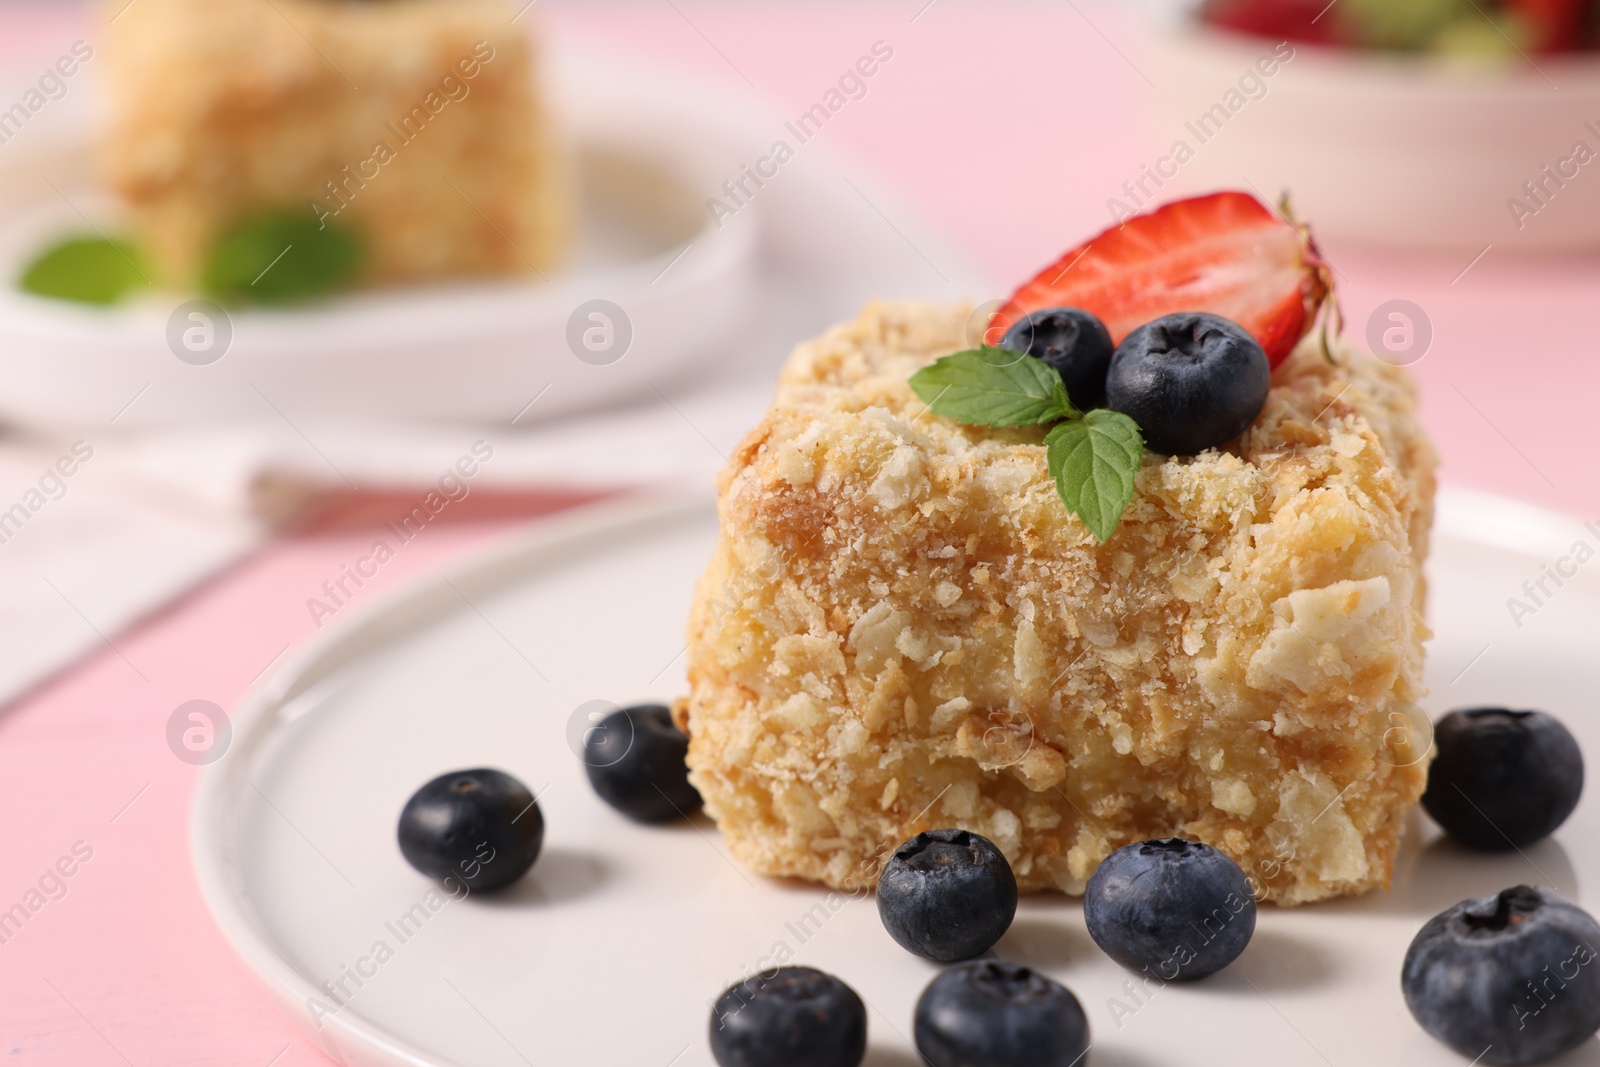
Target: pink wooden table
{"points": [[1007, 125]]}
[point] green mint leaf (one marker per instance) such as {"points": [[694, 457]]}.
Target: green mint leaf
{"points": [[89, 270], [282, 258], [993, 387], [1094, 460]]}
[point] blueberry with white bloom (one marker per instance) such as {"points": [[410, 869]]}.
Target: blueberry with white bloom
{"points": [[1174, 909]]}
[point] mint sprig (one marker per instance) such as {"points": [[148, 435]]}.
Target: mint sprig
{"points": [[993, 387], [1093, 456], [1093, 460], [282, 257], [88, 270]]}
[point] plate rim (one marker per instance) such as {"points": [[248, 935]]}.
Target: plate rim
{"points": [[1473, 516], [211, 838]]}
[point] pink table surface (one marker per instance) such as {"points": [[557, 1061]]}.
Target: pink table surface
{"points": [[1008, 125]]}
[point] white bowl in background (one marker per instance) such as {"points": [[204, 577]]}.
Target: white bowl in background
{"points": [[1398, 150]]}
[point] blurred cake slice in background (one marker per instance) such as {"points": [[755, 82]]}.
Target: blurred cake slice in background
{"points": [[414, 125]]}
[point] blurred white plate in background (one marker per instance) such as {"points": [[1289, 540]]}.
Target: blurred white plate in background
{"points": [[652, 148], [609, 952], [471, 350]]}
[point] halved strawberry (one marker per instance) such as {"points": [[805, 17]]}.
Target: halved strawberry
{"points": [[1225, 253]]}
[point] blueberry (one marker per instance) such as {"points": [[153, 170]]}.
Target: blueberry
{"points": [[789, 1017], [1072, 341], [1502, 779], [947, 895], [1177, 910], [1510, 978], [1192, 381], [481, 827], [991, 1013], [635, 761]]}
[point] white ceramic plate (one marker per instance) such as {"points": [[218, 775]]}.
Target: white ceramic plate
{"points": [[611, 949], [648, 149]]}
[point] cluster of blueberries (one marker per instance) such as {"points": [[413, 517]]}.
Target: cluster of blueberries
{"points": [[1503, 978], [1191, 380]]}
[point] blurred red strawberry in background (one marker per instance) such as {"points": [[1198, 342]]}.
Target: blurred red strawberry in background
{"points": [[1485, 28], [1286, 20], [1556, 25]]}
